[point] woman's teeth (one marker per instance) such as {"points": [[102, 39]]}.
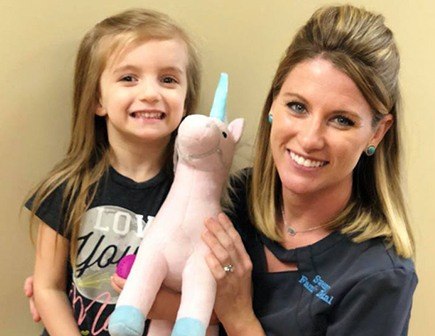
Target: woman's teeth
{"points": [[306, 162]]}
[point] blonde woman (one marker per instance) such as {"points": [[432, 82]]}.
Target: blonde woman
{"points": [[325, 237]]}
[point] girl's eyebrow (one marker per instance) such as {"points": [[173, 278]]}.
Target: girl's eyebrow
{"points": [[174, 69], [133, 68], [124, 68]]}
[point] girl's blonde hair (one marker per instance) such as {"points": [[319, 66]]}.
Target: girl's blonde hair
{"points": [[87, 157], [359, 44]]}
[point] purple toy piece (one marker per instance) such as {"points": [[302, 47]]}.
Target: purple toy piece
{"points": [[124, 265]]}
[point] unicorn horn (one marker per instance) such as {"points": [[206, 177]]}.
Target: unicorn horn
{"points": [[219, 107]]}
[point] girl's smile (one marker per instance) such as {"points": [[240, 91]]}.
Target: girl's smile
{"points": [[143, 92]]}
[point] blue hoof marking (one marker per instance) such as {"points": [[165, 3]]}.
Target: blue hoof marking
{"points": [[126, 321], [188, 327]]}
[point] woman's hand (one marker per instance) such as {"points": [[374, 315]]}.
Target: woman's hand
{"points": [[233, 305], [28, 291]]}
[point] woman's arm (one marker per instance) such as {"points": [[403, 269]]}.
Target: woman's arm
{"points": [[233, 305], [50, 282], [28, 291], [378, 305]]}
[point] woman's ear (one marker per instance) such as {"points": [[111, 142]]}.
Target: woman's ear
{"points": [[381, 129]]}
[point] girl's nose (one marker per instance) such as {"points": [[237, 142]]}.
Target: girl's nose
{"points": [[149, 91]]}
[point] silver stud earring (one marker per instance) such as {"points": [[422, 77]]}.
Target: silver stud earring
{"points": [[270, 117]]}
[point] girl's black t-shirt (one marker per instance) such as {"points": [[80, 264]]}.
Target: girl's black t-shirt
{"points": [[111, 228]]}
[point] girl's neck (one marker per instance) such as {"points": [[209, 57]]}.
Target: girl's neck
{"points": [[139, 162]]}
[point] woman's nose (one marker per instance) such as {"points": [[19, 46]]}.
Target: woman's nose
{"points": [[311, 135]]}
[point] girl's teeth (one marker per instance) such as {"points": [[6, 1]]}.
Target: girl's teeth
{"points": [[148, 115]]}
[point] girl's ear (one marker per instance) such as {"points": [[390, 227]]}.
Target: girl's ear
{"points": [[100, 110], [381, 129]]}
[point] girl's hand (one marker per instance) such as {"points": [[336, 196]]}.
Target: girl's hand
{"points": [[117, 282], [233, 305], [28, 291]]}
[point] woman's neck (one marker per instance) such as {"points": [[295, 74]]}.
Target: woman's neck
{"points": [[306, 211], [139, 163]]}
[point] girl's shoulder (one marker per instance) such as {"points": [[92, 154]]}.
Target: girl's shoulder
{"points": [[50, 210]]}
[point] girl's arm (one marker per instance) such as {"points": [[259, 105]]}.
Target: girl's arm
{"points": [[50, 282], [165, 306], [233, 305]]}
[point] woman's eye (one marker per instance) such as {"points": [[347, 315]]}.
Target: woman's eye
{"points": [[296, 107], [343, 121]]}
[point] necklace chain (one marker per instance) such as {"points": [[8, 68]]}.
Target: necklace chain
{"points": [[292, 231]]}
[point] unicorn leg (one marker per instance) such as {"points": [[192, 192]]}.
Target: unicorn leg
{"points": [[197, 298], [137, 297], [126, 321]]}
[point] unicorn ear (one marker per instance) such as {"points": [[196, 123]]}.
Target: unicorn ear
{"points": [[219, 107], [236, 128]]}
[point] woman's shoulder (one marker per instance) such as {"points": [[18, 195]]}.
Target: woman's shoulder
{"points": [[238, 208], [376, 255], [371, 267], [239, 183]]}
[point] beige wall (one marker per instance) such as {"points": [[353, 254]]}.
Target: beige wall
{"points": [[244, 38]]}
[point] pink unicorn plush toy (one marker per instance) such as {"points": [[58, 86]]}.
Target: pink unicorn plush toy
{"points": [[172, 252]]}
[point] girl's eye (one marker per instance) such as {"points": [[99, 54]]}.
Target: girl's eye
{"points": [[343, 121], [169, 80], [127, 78], [298, 108]]}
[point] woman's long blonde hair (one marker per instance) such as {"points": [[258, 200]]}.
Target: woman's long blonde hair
{"points": [[87, 157], [358, 43]]}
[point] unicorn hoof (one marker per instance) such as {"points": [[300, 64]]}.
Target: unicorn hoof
{"points": [[126, 321], [188, 327]]}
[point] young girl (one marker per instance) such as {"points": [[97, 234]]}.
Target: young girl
{"points": [[137, 74]]}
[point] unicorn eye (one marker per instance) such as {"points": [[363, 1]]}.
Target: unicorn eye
{"points": [[224, 134]]}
